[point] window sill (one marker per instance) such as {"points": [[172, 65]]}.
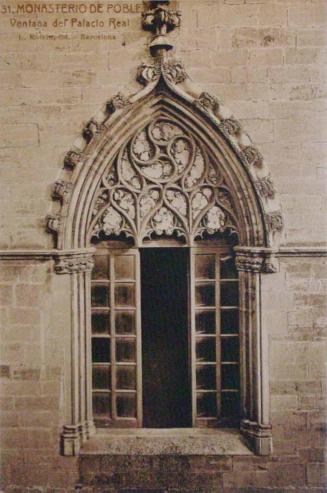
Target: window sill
{"points": [[187, 441]]}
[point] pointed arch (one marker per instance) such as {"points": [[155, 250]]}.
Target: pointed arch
{"points": [[254, 215], [202, 117]]}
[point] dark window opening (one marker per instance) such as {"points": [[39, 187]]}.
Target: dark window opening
{"points": [[165, 338]]}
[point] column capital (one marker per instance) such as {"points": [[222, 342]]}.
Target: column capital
{"points": [[74, 262], [256, 259]]}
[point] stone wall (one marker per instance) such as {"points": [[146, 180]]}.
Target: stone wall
{"points": [[266, 59]]}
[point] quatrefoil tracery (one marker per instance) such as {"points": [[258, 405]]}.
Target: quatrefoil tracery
{"points": [[162, 183]]}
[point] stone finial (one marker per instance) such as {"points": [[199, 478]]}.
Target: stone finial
{"points": [[160, 20]]}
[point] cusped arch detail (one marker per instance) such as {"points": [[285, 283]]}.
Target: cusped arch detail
{"points": [[162, 183], [168, 96]]}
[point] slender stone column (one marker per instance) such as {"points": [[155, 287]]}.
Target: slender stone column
{"points": [[79, 426], [255, 425]]}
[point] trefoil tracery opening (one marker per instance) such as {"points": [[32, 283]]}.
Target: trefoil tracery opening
{"points": [[163, 183]]}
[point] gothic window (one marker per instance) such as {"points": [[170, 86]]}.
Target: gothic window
{"points": [[163, 189], [166, 192]]}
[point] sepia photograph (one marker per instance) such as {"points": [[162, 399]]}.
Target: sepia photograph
{"points": [[163, 246]]}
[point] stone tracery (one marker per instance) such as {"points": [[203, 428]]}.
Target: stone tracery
{"points": [[162, 183]]}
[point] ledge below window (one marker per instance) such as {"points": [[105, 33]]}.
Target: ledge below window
{"points": [[186, 441]]}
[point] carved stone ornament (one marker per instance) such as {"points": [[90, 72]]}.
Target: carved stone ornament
{"points": [[72, 159], [162, 183], [117, 103], [148, 72], [275, 221], [271, 264], [172, 70], [53, 223], [62, 190], [163, 164], [265, 187], [207, 102], [70, 264], [160, 19], [91, 128], [253, 156], [249, 262], [231, 126]]}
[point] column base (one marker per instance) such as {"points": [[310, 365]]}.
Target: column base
{"points": [[71, 440], [258, 436], [73, 437]]}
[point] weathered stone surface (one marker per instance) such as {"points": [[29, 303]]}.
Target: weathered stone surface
{"points": [[184, 442], [266, 59], [317, 475]]}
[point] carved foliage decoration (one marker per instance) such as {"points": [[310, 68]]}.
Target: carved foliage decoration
{"points": [[62, 190], [162, 183], [53, 222], [265, 187], [231, 126], [117, 102], [70, 264], [253, 156], [91, 128], [207, 102], [155, 20], [72, 159], [249, 262], [172, 70], [275, 221]]}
